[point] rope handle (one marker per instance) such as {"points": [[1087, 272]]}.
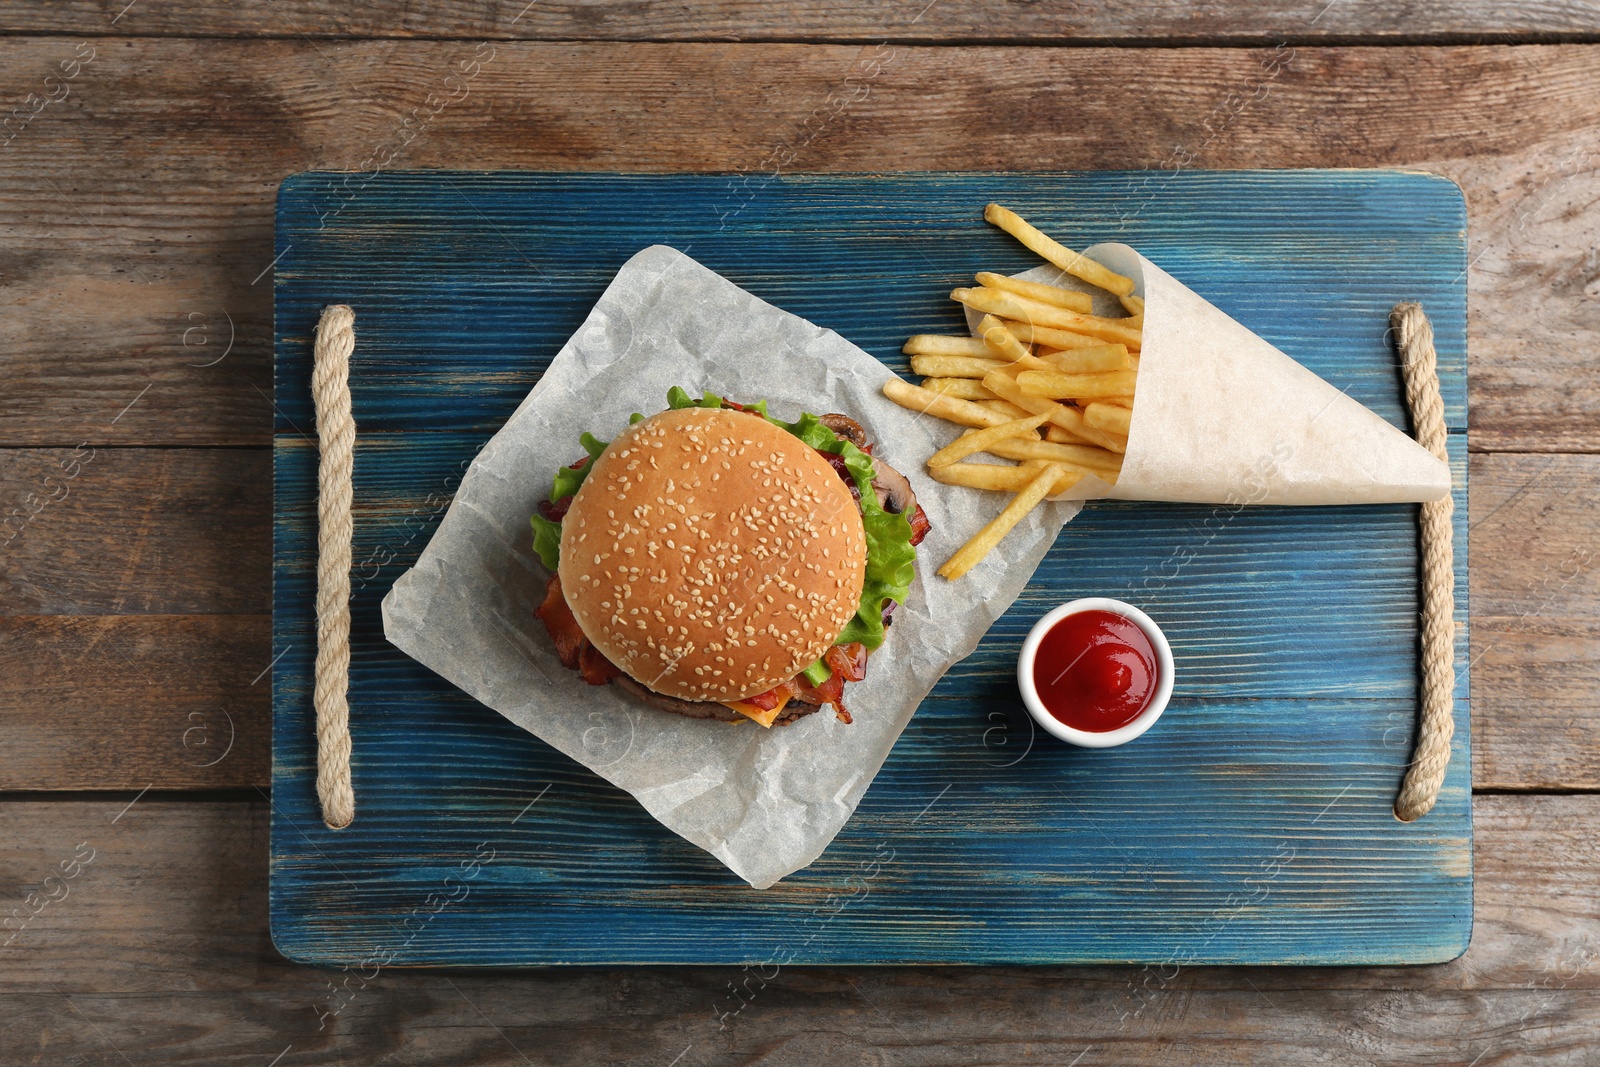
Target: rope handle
{"points": [[1419, 791], [336, 438]]}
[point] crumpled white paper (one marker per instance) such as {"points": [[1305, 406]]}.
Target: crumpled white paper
{"points": [[764, 802], [1223, 417]]}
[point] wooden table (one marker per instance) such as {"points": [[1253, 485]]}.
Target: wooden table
{"points": [[136, 183]]}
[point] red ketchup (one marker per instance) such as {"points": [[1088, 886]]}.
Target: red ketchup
{"points": [[1096, 671]]}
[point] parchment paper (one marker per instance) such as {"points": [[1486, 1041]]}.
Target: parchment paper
{"points": [[764, 802], [1223, 417]]}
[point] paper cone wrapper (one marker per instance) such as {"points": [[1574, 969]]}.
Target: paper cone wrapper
{"points": [[1222, 417]]}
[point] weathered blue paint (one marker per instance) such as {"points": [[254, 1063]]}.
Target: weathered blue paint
{"points": [[1253, 825]]}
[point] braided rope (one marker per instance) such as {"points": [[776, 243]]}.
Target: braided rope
{"points": [[336, 433], [1414, 337]]}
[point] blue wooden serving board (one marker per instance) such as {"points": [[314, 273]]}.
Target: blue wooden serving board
{"points": [[1252, 825]]}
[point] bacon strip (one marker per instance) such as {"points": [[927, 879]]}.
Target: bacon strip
{"points": [[919, 525], [564, 629], [769, 700], [593, 665], [848, 661], [829, 692]]}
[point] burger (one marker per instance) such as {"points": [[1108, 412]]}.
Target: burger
{"points": [[719, 563]]}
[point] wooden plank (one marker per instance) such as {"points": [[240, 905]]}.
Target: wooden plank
{"points": [[117, 531], [804, 1018], [1536, 621], [1166, 22], [129, 701], [112, 265], [160, 949]]}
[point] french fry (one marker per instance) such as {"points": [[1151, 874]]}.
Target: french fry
{"points": [[960, 388], [952, 366], [1049, 294], [1003, 345], [1066, 478], [1096, 461], [932, 344], [1012, 479], [1005, 407], [1074, 422], [1067, 424], [1090, 360], [1133, 304], [1120, 401], [1079, 266], [1011, 306], [979, 440], [1060, 436], [1055, 385], [1006, 388], [1028, 333], [1001, 342], [1109, 417], [971, 553], [965, 412]]}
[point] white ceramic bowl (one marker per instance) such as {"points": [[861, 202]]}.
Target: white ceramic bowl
{"points": [[1086, 738]]}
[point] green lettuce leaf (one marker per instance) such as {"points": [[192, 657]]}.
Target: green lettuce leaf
{"points": [[891, 558], [569, 478], [547, 542], [547, 534], [817, 673]]}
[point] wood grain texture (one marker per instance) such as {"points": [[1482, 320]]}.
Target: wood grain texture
{"points": [[1536, 621], [1294, 629], [160, 948], [117, 531], [1164, 22], [128, 701], [138, 210]]}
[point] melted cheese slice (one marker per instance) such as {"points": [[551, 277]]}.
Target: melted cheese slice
{"points": [[765, 718]]}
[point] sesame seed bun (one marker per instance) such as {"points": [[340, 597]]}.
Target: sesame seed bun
{"points": [[711, 555]]}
